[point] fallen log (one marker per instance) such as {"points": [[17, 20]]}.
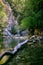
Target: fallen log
{"points": [[10, 54]]}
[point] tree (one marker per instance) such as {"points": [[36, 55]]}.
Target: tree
{"points": [[31, 12], [35, 19]]}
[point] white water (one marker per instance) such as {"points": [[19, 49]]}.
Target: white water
{"points": [[11, 22]]}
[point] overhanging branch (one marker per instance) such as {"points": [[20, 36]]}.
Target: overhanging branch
{"points": [[10, 54], [15, 49]]}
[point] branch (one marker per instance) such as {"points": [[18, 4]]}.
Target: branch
{"points": [[20, 45], [10, 54], [15, 49]]}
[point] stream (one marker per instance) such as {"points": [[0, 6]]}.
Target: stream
{"points": [[9, 38]]}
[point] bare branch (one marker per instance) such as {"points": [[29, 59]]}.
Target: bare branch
{"points": [[15, 49]]}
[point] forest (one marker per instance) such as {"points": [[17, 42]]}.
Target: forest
{"points": [[21, 32]]}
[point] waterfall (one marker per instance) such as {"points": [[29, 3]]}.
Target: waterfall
{"points": [[11, 22]]}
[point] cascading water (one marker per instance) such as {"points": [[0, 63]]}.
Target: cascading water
{"points": [[12, 22], [6, 32]]}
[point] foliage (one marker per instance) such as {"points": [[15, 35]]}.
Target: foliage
{"points": [[28, 55], [29, 9], [35, 20], [3, 15], [27, 22], [31, 18], [3, 22], [18, 5], [26, 6]]}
